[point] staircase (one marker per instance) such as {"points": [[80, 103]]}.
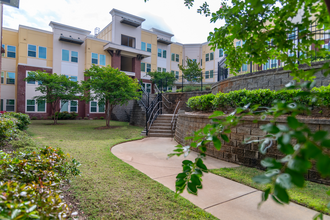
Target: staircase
{"points": [[161, 126]]}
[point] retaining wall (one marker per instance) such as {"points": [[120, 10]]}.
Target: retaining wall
{"points": [[245, 154]]}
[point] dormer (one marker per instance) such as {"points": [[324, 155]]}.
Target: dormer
{"points": [[126, 18]]}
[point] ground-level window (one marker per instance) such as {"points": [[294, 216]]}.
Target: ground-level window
{"points": [[69, 106], [96, 107], [10, 105], [1, 105], [207, 74], [35, 106]]}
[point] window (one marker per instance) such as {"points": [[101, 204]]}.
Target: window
{"points": [[177, 74], [220, 52], [65, 55], [10, 78], [143, 46], [1, 105], [207, 74], [290, 54], [266, 65], [30, 105], [30, 82], [32, 50], [10, 105], [97, 108], [211, 73], [325, 46], [11, 51], [159, 52], [102, 59], [148, 67], [292, 35], [238, 43], [159, 69], [244, 67], [69, 106], [2, 77], [164, 69], [177, 58], [127, 41], [207, 57], [143, 67], [3, 54], [164, 53], [95, 58], [41, 106], [42, 53], [74, 78], [212, 56], [201, 62], [273, 63], [148, 47], [173, 56], [74, 56]]}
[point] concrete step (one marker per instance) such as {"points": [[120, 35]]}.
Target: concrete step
{"points": [[156, 127], [161, 124], [160, 135], [160, 131]]}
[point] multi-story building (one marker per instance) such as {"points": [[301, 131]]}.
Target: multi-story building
{"points": [[68, 50]]}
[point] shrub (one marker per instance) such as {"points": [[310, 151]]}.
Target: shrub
{"points": [[85, 118], [49, 117], [169, 90], [101, 118], [30, 183], [201, 103], [7, 129], [23, 120], [262, 97], [65, 115], [34, 118], [22, 140], [95, 118], [207, 87], [80, 118]]}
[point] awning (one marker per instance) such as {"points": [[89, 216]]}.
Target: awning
{"points": [[126, 51], [71, 40]]}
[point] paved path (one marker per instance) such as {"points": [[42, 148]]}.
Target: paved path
{"points": [[225, 199]]}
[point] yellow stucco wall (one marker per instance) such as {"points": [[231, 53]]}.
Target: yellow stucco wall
{"points": [[95, 46], [151, 38], [177, 49], [106, 33], [38, 38]]}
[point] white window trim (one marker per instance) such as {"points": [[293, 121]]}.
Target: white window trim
{"points": [[6, 53], [97, 108], [69, 106], [5, 105], [38, 48], [35, 107], [98, 59], [36, 51]]}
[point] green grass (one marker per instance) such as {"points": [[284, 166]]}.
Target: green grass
{"points": [[108, 187], [313, 195]]}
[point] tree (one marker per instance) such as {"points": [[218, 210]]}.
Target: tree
{"points": [[110, 87], [191, 71], [54, 88], [162, 79], [264, 27]]}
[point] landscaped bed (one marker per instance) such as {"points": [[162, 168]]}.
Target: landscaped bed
{"points": [[313, 195], [108, 188]]}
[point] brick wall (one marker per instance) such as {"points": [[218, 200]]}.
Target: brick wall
{"points": [[273, 79], [245, 154]]}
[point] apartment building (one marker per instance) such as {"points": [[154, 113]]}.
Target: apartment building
{"points": [[68, 50]]}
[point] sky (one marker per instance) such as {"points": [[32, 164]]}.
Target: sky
{"points": [[168, 15]]}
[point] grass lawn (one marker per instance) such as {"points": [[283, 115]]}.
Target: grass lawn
{"points": [[313, 195], [108, 187]]}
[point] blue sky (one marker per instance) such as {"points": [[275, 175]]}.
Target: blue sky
{"points": [[168, 15]]}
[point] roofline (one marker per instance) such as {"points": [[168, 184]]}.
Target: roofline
{"points": [[162, 32], [125, 14], [97, 39], [35, 29], [69, 28], [10, 29]]}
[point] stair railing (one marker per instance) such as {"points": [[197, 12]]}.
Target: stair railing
{"points": [[174, 117]]}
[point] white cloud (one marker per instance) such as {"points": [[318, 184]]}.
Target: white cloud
{"points": [[168, 15]]}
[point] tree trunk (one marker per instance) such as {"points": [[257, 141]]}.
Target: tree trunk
{"points": [[54, 110], [108, 114]]}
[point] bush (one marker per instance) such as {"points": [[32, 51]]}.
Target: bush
{"points": [[262, 97], [34, 118], [7, 129], [50, 118], [169, 90], [65, 115], [201, 103], [95, 118], [22, 140], [101, 118], [80, 118], [85, 118], [30, 183], [23, 120]]}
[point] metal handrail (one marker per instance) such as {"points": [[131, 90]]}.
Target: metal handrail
{"points": [[154, 109], [153, 119], [172, 122]]}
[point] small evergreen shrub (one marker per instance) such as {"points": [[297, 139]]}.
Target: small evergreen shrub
{"points": [[23, 120], [34, 118], [22, 140], [101, 118], [85, 118]]}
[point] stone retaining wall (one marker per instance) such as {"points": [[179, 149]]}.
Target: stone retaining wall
{"points": [[273, 79], [244, 154]]}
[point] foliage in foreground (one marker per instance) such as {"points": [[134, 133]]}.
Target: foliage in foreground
{"points": [[312, 195], [30, 183], [23, 120], [262, 97]]}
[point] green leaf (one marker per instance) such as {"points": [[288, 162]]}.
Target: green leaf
{"points": [[15, 213], [225, 138], [296, 177], [326, 143], [293, 122], [200, 164], [181, 176], [192, 189], [323, 164], [262, 179], [187, 162], [195, 180], [271, 128], [281, 194], [284, 180], [320, 135], [216, 142], [299, 165], [216, 114], [264, 196]]}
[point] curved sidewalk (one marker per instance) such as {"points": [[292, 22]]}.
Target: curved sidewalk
{"points": [[225, 199]]}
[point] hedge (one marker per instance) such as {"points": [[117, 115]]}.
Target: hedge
{"points": [[262, 97]]}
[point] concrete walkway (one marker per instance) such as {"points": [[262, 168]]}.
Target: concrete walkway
{"points": [[225, 199]]}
